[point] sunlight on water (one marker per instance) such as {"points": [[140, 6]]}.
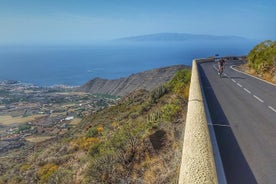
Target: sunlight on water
{"points": [[75, 65]]}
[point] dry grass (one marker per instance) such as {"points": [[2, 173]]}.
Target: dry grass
{"points": [[9, 120], [38, 139], [75, 121], [267, 76], [156, 170], [72, 93]]}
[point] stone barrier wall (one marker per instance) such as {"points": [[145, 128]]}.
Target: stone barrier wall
{"points": [[198, 164]]}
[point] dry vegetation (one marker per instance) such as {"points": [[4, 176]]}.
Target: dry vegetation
{"points": [[262, 61], [38, 139], [75, 121], [8, 120], [136, 141]]}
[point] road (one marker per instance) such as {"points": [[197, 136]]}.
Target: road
{"points": [[243, 113]]}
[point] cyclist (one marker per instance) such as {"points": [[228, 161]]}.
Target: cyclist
{"points": [[220, 66]]}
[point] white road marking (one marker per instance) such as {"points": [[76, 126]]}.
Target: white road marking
{"points": [[215, 67], [272, 108], [247, 90], [219, 125], [258, 98]]}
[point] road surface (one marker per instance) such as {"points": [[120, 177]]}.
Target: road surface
{"points": [[243, 113]]}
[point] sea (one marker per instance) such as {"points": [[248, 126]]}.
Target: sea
{"points": [[74, 65]]}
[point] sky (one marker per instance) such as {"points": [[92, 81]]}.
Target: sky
{"points": [[87, 21]]}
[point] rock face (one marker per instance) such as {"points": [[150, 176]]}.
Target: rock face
{"points": [[147, 80]]}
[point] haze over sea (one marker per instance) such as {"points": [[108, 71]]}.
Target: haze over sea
{"points": [[75, 65]]}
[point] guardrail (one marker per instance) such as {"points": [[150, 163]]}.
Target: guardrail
{"points": [[198, 163]]}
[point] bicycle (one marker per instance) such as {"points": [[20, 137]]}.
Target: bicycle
{"points": [[220, 71]]}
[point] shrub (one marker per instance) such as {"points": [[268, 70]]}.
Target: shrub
{"points": [[61, 176], [180, 81], [186, 92], [94, 149], [46, 171], [103, 169], [169, 111], [23, 128], [100, 130], [158, 93], [24, 168], [115, 125], [262, 57], [92, 132], [84, 143]]}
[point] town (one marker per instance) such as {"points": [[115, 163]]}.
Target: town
{"points": [[30, 113]]}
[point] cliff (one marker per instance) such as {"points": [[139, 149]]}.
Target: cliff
{"points": [[147, 80]]}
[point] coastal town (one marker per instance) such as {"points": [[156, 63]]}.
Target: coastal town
{"points": [[30, 113]]}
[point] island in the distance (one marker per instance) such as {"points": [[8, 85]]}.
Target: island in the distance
{"points": [[179, 37]]}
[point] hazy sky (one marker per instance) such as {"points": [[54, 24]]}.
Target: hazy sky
{"points": [[84, 21]]}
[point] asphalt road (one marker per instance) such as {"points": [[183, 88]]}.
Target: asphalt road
{"points": [[243, 113]]}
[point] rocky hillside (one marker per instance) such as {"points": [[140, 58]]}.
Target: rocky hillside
{"points": [[139, 140], [147, 80]]}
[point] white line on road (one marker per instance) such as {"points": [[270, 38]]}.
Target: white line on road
{"points": [[247, 90], [272, 108], [258, 98], [215, 67], [233, 80], [239, 85], [219, 125]]}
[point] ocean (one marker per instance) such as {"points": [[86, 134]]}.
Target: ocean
{"points": [[74, 65]]}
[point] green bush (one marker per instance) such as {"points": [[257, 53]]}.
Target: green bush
{"points": [[92, 132], [158, 93], [180, 81], [169, 111], [263, 56], [94, 149], [23, 128]]}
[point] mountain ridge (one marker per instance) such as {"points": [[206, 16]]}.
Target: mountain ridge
{"points": [[147, 80]]}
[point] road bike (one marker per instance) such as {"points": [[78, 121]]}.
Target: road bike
{"points": [[220, 71]]}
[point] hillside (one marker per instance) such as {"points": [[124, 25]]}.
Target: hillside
{"points": [[178, 37], [147, 80], [136, 141], [261, 61]]}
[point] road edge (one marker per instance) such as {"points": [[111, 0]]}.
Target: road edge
{"points": [[232, 67]]}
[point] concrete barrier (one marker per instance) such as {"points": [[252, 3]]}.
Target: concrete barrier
{"points": [[198, 164]]}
